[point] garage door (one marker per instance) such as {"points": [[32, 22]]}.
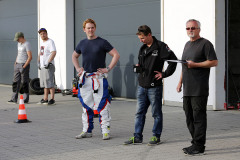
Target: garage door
{"points": [[16, 16]]}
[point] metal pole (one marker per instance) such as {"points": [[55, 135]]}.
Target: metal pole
{"points": [[74, 29], [226, 48]]}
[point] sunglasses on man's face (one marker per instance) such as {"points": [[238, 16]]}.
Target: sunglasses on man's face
{"points": [[191, 28]]}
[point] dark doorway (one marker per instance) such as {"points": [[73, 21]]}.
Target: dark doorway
{"points": [[233, 53]]}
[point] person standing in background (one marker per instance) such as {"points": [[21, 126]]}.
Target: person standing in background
{"points": [[47, 66], [21, 69]]}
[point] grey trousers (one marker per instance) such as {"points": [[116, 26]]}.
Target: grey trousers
{"points": [[20, 79]]}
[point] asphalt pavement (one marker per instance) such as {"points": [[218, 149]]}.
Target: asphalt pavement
{"points": [[51, 134]]}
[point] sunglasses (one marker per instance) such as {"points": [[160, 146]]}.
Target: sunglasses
{"points": [[191, 28]]}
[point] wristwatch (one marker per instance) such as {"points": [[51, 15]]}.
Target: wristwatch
{"points": [[108, 69]]}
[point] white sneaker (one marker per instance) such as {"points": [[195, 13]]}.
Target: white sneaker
{"points": [[84, 135], [106, 136]]}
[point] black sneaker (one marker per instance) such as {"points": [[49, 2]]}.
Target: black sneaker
{"points": [[154, 141], [193, 150], [51, 102], [25, 101], [133, 140], [43, 102], [11, 102]]}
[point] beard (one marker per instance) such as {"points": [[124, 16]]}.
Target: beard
{"points": [[191, 35]]}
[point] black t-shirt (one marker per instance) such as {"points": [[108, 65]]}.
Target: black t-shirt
{"points": [[93, 53], [196, 80]]}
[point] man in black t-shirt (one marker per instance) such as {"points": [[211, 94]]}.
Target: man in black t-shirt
{"points": [[200, 56]]}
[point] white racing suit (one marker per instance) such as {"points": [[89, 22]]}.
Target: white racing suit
{"points": [[93, 91]]}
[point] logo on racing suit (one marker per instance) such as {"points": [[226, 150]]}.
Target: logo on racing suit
{"points": [[155, 53]]}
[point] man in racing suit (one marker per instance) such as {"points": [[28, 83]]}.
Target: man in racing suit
{"points": [[151, 58], [93, 85]]}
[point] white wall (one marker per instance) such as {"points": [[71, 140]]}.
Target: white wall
{"points": [[57, 17], [175, 13]]}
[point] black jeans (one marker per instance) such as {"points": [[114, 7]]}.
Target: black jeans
{"points": [[196, 118]]}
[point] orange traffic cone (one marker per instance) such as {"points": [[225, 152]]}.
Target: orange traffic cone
{"points": [[74, 92], [22, 115]]}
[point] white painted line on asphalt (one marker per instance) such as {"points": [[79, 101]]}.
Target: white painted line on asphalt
{"points": [[5, 85]]}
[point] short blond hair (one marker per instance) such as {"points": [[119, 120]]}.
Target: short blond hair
{"points": [[89, 20]]}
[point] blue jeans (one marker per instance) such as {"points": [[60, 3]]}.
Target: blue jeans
{"points": [[146, 97]]}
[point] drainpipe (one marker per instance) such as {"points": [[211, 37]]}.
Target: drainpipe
{"points": [[74, 30], [226, 49]]}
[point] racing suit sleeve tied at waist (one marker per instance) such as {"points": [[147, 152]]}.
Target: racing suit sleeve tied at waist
{"points": [[95, 79]]}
